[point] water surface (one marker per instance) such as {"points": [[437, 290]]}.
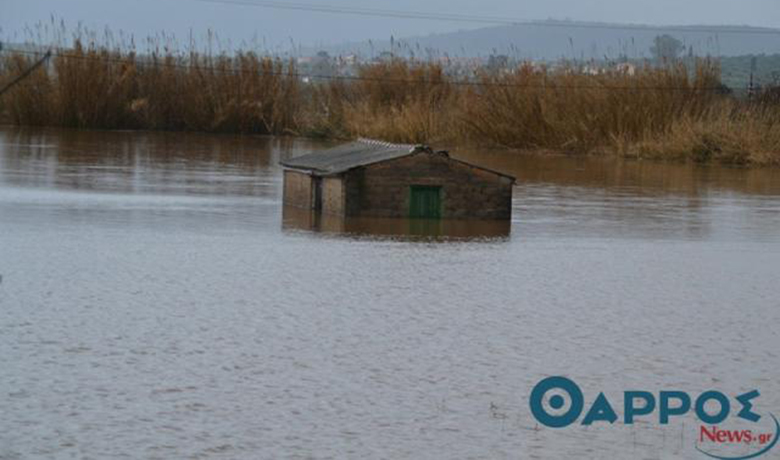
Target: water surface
{"points": [[157, 301]]}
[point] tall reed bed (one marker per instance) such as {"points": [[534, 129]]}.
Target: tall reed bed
{"points": [[671, 112], [575, 112], [93, 87], [396, 101]]}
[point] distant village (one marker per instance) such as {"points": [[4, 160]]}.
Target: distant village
{"points": [[323, 64], [743, 72]]}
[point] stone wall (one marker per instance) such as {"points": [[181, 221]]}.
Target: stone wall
{"points": [[332, 196], [383, 189], [298, 189]]}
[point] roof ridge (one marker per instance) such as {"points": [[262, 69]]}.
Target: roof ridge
{"points": [[381, 143]]}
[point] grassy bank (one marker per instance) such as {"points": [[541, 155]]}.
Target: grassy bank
{"points": [[668, 113]]}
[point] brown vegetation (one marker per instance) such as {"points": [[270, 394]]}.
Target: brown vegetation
{"points": [[660, 113], [97, 88]]}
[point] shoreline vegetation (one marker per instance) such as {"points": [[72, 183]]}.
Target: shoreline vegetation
{"points": [[677, 112]]}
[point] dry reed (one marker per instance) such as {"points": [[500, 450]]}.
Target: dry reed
{"points": [[660, 113], [91, 87]]}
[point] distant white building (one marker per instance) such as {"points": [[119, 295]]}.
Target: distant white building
{"points": [[626, 68], [592, 70]]}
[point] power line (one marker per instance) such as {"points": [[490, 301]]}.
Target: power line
{"points": [[453, 17], [356, 78], [26, 72]]}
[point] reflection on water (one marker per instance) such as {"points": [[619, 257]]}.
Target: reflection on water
{"points": [[296, 219], [238, 179], [157, 301], [633, 177], [144, 162]]}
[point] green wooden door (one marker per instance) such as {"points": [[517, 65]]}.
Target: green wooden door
{"points": [[424, 202]]}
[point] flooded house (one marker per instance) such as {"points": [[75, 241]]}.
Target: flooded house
{"points": [[370, 178]]}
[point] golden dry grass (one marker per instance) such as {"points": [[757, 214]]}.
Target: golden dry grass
{"points": [[659, 113], [726, 133], [91, 87]]}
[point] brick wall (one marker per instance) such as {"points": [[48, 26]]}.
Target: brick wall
{"points": [[382, 189]]}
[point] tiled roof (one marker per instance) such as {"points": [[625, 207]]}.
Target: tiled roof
{"points": [[345, 157]]}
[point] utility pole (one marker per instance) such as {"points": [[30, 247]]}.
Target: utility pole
{"points": [[751, 88]]}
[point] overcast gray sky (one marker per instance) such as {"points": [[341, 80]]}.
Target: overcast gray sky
{"points": [[276, 27]]}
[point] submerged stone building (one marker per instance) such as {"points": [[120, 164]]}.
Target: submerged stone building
{"points": [[377, 179]]}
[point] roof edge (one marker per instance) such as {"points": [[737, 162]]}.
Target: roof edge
{"points": [[493, 171], [411, 149]]}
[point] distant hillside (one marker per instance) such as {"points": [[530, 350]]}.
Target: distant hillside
{"points": [[553, 40]]}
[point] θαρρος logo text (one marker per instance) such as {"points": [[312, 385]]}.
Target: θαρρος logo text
{"points": [[665, 405]]}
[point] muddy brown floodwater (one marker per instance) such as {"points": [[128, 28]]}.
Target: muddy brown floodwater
{"points": [[157, 302]]}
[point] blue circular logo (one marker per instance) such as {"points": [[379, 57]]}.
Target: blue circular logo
{"points": [[556, 402]]}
